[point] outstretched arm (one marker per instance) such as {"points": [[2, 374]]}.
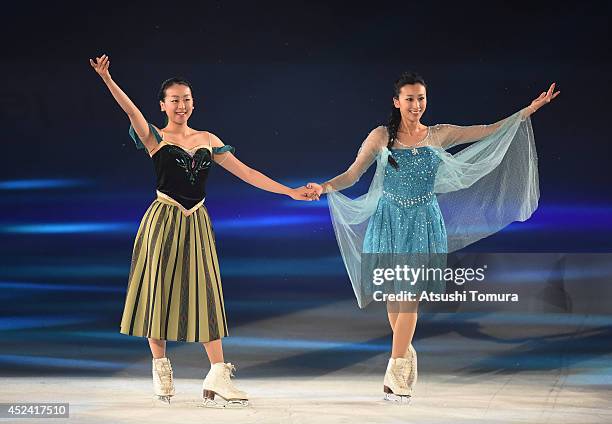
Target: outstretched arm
{"points": [[249, 175], [366, 156], [137, 119], [452, 135]]}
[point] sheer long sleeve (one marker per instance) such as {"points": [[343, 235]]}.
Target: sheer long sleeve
{"points": [[366, 156], [448, 135]]}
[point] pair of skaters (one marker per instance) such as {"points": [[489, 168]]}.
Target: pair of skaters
{"points": [[421, 200]]}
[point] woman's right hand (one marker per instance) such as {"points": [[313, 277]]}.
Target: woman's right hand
{"points": [[101, 66]]}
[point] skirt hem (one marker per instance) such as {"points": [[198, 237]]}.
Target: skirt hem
{"points": [[173, 339]]}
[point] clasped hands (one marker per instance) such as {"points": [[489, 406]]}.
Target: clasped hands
{"points": [[311, 191]]}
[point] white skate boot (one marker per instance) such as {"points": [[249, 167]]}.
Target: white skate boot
{"points": [[411, 378], [163, 384], [217, 382], [395, 386]]}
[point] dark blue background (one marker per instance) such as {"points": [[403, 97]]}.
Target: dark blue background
{"points": [[295, 87]]}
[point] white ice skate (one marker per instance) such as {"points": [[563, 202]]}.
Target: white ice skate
{"points": [[411, 378], [395, 385], [218, 383], [163, 383]]}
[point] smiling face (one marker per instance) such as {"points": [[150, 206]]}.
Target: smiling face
{"points": [[178, 103], [411, 101]]}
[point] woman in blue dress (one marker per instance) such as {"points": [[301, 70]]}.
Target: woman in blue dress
{"points": [[425, 201], [174, 288]]}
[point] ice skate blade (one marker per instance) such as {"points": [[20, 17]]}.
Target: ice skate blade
{"points": [[211, 402], [392, 397], [400, 400], [235, 404], [162, 400]]}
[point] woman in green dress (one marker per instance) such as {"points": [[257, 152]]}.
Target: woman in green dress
{"points": [[174, 290]]}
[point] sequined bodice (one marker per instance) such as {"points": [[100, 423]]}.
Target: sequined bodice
{"points": [[413, 183], [181, 175]]}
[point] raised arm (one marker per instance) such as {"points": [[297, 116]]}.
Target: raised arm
{"points": [[138, 121], [366, 156], [452, 135], [223, 155]]}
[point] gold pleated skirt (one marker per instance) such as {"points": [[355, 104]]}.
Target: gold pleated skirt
{"points": [[174, 290]]}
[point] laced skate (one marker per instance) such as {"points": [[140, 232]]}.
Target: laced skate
{"points": [[163, 383], [218, 383], [412, 376], [395, 384]]}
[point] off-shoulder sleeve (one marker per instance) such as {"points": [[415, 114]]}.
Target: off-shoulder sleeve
{"points": [[223, 149], [448, 135], [369, 150], [139, 144]]}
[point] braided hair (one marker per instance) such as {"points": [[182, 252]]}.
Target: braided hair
{"points": [[395, 118], [161, 95]]}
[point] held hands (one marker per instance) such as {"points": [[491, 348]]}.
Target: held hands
{"points": [[544, 98], [101, 66], [302, 193], [317, 190]]}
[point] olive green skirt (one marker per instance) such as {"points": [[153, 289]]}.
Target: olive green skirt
{"points": [[174, 289]]}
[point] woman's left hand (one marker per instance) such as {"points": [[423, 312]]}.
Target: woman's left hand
{"points": [[544, 98]]}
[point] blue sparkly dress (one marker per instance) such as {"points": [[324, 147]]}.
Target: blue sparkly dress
{"points": [[435, 202], [408, 218]]}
